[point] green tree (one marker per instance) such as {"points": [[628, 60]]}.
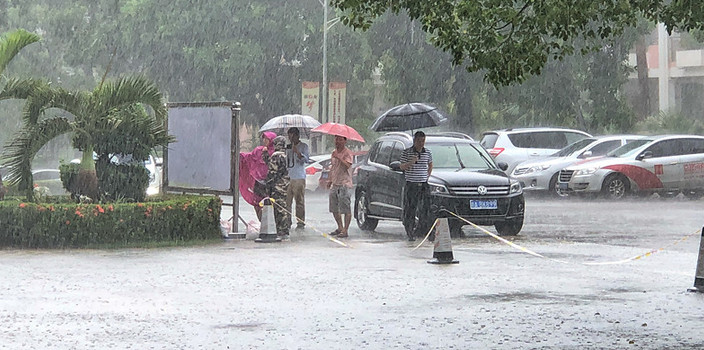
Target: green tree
{"points": [[94, 114], [511, 40]]}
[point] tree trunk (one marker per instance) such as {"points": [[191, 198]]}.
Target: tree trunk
{"points": [[464, 118], [642, 106], [87, 176]]}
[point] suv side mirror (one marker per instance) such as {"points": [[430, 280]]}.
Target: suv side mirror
{"points": [[644, 155], [395, 165], [503, 166]]}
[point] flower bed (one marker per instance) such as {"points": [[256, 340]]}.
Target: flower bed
{"points": [[59, 225]]}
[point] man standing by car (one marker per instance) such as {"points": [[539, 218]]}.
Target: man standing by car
{"points": [[340, 184], [297, 158], [417, 164]]}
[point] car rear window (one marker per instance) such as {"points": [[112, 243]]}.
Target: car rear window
{"points": [[489, 140], [545, 139]]}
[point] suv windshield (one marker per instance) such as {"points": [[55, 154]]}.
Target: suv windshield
{"points": [[459, 155], [569, 150], [625, 150]]}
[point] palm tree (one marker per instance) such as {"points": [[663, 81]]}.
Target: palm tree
{"points": [[94, 114], [10, 45]]}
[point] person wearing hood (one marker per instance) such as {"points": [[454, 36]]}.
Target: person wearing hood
{"points": [[253, 172], [277, 182]]}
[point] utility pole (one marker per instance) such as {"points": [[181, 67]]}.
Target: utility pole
{"points": [[324, 115]]}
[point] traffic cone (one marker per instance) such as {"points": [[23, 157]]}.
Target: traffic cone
{"points": [[699, 274], [442, 250], [267, 231]]}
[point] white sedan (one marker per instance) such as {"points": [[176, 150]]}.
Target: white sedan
{"points": [[315, 169]]}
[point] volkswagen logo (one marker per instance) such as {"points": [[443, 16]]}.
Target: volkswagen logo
{"points": [[481, 190]]}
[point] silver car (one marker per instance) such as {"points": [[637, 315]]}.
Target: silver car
{"points": [[542, 174], [667, 165], [513, 146]]}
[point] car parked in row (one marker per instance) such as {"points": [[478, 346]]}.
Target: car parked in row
{"points": [[314, 171], [513, 146], [666, 165], [465, 180], [541, 174]]}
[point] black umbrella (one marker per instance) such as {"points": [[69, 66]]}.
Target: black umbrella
{"points": [[409, 116]]}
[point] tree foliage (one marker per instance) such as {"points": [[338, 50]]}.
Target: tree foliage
{"points": [[512, 40]]}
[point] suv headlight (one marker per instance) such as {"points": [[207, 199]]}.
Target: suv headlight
{"points": [[437, 188], [515, 187], [586, 171]]}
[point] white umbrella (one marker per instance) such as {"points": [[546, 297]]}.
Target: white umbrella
{"points": [[281, 124]]}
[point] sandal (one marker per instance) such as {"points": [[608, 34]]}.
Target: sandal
{"points": [[334, 233], [342, 235]]}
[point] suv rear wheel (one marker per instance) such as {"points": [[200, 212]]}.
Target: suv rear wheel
{"points": [[361, 208], [509, 228]]}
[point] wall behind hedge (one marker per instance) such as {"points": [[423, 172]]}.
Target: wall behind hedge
{"points": [[59, 225]]}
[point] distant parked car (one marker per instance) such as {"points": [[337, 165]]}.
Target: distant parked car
{"points": [[49, 179], [152, 164], [314, 171], [513, 146], [541, 174]]}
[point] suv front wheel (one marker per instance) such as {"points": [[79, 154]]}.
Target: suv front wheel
{"points": [[509, 228], [361, 209]]}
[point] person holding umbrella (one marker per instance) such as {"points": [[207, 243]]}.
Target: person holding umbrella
{"points": [[417, 164], [340, 184], [297, 154]]}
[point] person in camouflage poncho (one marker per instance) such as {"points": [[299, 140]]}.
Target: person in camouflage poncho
{"points": [[277, 182]]}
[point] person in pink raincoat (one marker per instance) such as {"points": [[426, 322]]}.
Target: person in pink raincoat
{"points": [[254, 167]]}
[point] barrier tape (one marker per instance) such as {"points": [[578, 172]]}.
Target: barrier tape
{"points": [[313, 227], [528, 251], [426, 235]]}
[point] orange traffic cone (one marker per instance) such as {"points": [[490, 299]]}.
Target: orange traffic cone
{"points": [[442, 251], [267, 231], [699, 274]]}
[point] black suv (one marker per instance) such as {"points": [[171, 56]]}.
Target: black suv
{"points": [[465, 180]]}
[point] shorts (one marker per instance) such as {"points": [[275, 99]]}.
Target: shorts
{"points": [[340, 200]]}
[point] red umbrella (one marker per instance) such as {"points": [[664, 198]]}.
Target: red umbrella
{"points": [[339, 130]]}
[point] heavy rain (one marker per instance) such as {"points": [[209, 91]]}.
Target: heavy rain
{"points": [[555, 186]]}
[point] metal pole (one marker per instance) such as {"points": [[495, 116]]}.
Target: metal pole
{"points": [[235, 164], [325, 63]]}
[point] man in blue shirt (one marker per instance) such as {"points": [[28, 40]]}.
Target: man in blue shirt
{"points": [[297, 157]]}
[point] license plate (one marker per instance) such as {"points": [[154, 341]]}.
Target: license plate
{"points": [[562, 185], [482, 204]]}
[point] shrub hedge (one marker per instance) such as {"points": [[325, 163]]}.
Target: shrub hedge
{"points": [[70, 225]]}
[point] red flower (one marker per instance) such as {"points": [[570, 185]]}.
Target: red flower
{"points": [[68, 222], [140, 204], [22, 205], [100, 209], [111, 208]]}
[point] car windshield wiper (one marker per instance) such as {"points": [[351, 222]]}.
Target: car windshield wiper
{"points": [[457, 153], [484, 158]]}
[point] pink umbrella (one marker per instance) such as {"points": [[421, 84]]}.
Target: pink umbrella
{"points": [[339, 130]]}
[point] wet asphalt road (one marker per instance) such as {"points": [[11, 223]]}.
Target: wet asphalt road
{"points": [[310, 293]]}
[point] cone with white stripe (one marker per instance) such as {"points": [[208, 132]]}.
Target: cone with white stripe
{"points": [[699, 274], [442, 251], [267, 231]]}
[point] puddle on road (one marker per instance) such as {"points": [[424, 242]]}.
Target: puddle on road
{"points": [[250, 325], [541, 297]]}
